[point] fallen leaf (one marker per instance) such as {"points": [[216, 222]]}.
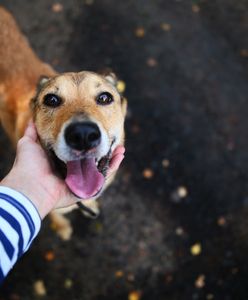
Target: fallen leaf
{"points": [[57, 7], [165, 163], [49, 255], [182, 191], [119, 274], [196, 249], [121, 86], [179, 231], [221, 221], [148, 173], [39, 288], [140, 32], [244, 52], [130, 277], [200, 281], [151, 62], [165, 26], [134, 295], [68, 283], [196, 8]]}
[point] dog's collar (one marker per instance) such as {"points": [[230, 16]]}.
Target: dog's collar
{"points": [[86, 209]]}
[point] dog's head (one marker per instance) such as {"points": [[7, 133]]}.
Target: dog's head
{"points": [[80, 120]]}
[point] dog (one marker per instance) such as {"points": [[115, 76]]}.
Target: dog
{"points": [[79, 117]]}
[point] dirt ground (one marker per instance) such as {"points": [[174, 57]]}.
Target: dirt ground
{"points": [[174, 224]]}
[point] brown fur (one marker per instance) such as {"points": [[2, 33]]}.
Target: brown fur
{"points": [[20, 71]]}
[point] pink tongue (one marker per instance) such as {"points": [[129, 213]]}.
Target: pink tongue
{"points": [[83, 178]]}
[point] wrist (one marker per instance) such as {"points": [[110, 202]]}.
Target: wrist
{"points": [[17, 204], [36, 193]]}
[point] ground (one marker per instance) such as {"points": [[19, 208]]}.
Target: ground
{"points": [[174, 223]]}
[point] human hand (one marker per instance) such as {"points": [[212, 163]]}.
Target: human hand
{"points": [[32, 174]]}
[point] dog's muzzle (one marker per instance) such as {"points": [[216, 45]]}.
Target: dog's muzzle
{"points": [[86, 166]]}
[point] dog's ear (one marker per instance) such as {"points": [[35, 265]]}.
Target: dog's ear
{"points": [[109, 75], [43, 79], [111, 78]]}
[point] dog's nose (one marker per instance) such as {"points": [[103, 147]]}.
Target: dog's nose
{"points": [[82, 135]]}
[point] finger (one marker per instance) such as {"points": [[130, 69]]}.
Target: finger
{"points": [[66, 199], [119, 150], [115, 163], [30, 131]]}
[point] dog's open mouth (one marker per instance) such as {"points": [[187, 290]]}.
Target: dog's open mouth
{"points": [[85, 177]]}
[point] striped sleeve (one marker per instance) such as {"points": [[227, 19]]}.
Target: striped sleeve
{"points": [[19, 224]]}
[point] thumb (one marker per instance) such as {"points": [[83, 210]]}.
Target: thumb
{"points": [[30, 131], [26, 142]]}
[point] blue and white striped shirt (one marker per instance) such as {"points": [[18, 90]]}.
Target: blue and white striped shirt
{"points": [[19, 224]]}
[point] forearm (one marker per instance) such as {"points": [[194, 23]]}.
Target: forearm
{"points": [[19, 224]]}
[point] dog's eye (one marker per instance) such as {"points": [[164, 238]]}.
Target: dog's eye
{"points": [[52, 100], [104, 98]]}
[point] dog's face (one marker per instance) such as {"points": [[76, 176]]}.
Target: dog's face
{"points": [[80, 118]]}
